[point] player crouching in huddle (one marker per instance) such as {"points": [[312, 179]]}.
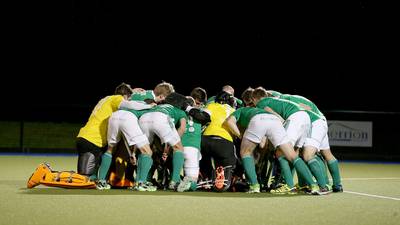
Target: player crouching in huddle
{"points": [[217, 144]]}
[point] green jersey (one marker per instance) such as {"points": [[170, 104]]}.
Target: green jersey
{"points": [[192, 135], [314, 113], [302, 100], [275, 93], [141, 96], [284, 108], [245, 114], [173, 112], [137, 113]]}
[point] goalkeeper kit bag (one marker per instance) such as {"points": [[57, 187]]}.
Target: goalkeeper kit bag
{"points": [[64, 179], [121, 170]]}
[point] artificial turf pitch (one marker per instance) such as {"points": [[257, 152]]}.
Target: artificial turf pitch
{"points": [[372, 196]]}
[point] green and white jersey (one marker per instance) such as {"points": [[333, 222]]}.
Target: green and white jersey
{"points": [[141, 96], [192, 135], [137, 113], [315, 115], [283, 107], [245, 114], [173, 112]]}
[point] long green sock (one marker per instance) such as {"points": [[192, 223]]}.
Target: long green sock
{"points": [[145, 165], [323, 167], [93, 176], [316, 170], [292, 169], [302, 182], [105, 165], [177, 165], [303, 171], [250, 169], [286, 171], [333, 167], [150, 174]]}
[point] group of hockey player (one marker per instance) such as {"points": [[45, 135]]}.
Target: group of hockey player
{"points": [[146, 140]]}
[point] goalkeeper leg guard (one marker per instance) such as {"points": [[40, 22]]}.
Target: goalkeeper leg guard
{"points": [[40, 174]]}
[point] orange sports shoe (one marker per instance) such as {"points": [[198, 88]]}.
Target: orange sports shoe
{"points": [[219, 178]]}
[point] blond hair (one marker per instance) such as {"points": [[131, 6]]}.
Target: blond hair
{"points": [[164, 89]]}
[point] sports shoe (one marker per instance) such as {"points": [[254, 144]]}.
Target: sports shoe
{"points": [[325, 190], [276, 182], [304, 188], [172, 185], [102, 185], [254, 188], [219, 178], [284, 189], [145, 186], [186, 184], [337, 188], [316, 190]]}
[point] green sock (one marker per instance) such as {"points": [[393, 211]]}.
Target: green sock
{"points": [[250, 169], [301, 182], [150, 174], [105, 165], [292, 170], [286, 171], [323, 167], [177, 165], [316, 170], [93, 176], [333, 167], [193, 186], [303, 171], [145, 165]]}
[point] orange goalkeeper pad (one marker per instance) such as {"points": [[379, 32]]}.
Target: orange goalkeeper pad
{"points": [[64, 179], [116, 181], [119, 172]]}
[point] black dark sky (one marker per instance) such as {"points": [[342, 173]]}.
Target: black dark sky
{"points": [[340, 55]]}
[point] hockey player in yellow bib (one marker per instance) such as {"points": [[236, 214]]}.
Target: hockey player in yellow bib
{"points": [[217, 143], [92, 138]]}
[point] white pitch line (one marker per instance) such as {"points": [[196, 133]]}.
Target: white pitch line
{"points": [[369, 195], [372, 178]]}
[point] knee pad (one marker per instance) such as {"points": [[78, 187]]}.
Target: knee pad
{"points": [[88, 163]]}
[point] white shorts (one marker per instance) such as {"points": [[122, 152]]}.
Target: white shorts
{"points": [[319, 131], [266, 125], [325, 143], [298, 128], [161, 125], [192, 158], [126, 123]]}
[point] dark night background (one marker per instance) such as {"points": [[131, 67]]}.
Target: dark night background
{"points": [[343, 56]]}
